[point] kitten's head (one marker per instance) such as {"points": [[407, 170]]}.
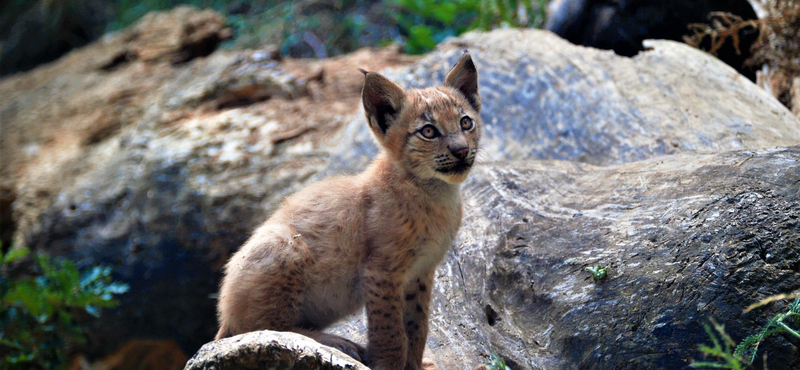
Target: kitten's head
{"points": [[433, 132]]}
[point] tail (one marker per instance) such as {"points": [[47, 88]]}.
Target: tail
{"points": [[222, 333]]}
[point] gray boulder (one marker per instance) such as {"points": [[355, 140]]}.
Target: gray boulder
{"points": [[544, 98], [687, 238], [270, 350]]}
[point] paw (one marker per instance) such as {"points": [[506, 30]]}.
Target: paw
{"points": [[356, 351], [428, 364]]}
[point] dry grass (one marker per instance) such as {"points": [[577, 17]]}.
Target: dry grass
{"points": [[724, 26], [779, 44], [777, 47]]}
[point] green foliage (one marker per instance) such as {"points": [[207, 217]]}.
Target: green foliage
{"points": [[497, 363], [598, 272], [730, 356], [39, 315], [428, 22], [344, 25], [299, 28], [126, 12], [722, 350], [778, 324], [327, 29], [306, 28]]}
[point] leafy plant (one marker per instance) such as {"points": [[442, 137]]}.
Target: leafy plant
{"points": [[39, 315], [497, 363], [778, 324], [598, 272], [428, 22], [126, 12], [731, 356], [722, 350]]}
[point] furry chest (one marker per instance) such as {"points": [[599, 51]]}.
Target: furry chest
{"points": [[430, 252], [439, 226]]}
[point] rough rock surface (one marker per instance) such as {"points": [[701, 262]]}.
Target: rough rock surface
{"points": [[270, 350], [50, 117], [546, 99], [177, 36], [687, 237], [188, 164]]}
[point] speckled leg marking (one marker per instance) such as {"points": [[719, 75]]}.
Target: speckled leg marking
{"points": [[388, 344], [415, 318]]}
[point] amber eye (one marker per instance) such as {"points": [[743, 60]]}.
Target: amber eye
{"points": [[467, 123], [429, 132]]}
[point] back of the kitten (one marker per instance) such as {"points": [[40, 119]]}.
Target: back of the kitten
{"points": [[270, 282]]}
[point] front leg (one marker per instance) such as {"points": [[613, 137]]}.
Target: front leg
{"points": [[415, 317], [388, 344]]}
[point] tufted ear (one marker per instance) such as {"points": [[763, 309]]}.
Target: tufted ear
{"points": [[464, 78], [383, 100]]}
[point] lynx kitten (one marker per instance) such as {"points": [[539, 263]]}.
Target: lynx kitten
{"points": [[371, 239]]}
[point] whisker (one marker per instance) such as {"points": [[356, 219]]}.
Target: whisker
{"points": [[484, 155]]}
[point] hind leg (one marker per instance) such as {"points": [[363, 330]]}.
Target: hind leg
{"points": [[265, 283]]}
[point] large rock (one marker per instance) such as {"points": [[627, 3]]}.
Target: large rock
{"points": [[176, 183], [687, 238], [270, 350], [546, 99], [51, 117], [683, 242]]}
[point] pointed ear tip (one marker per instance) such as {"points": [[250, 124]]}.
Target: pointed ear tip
{"points": [[362, 71], [467, 58]]}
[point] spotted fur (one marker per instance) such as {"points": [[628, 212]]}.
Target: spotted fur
{"points": [[371, 240]]}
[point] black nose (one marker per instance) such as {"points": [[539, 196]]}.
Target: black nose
{"points": [[460, 153]]}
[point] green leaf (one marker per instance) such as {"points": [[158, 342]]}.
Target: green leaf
{"points": [[444, 13], [92, 276], [117, 288], [712, 365], [598, 272], [8, 343], [497, 363], [26, 295], [44, 264], [21, 358], [92, 310], [71, 276], [15, 254], [36, 314], [421, 36]]}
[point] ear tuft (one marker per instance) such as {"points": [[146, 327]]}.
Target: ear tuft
{"points": [[383, 100], [464, 78], [362, 71]]}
